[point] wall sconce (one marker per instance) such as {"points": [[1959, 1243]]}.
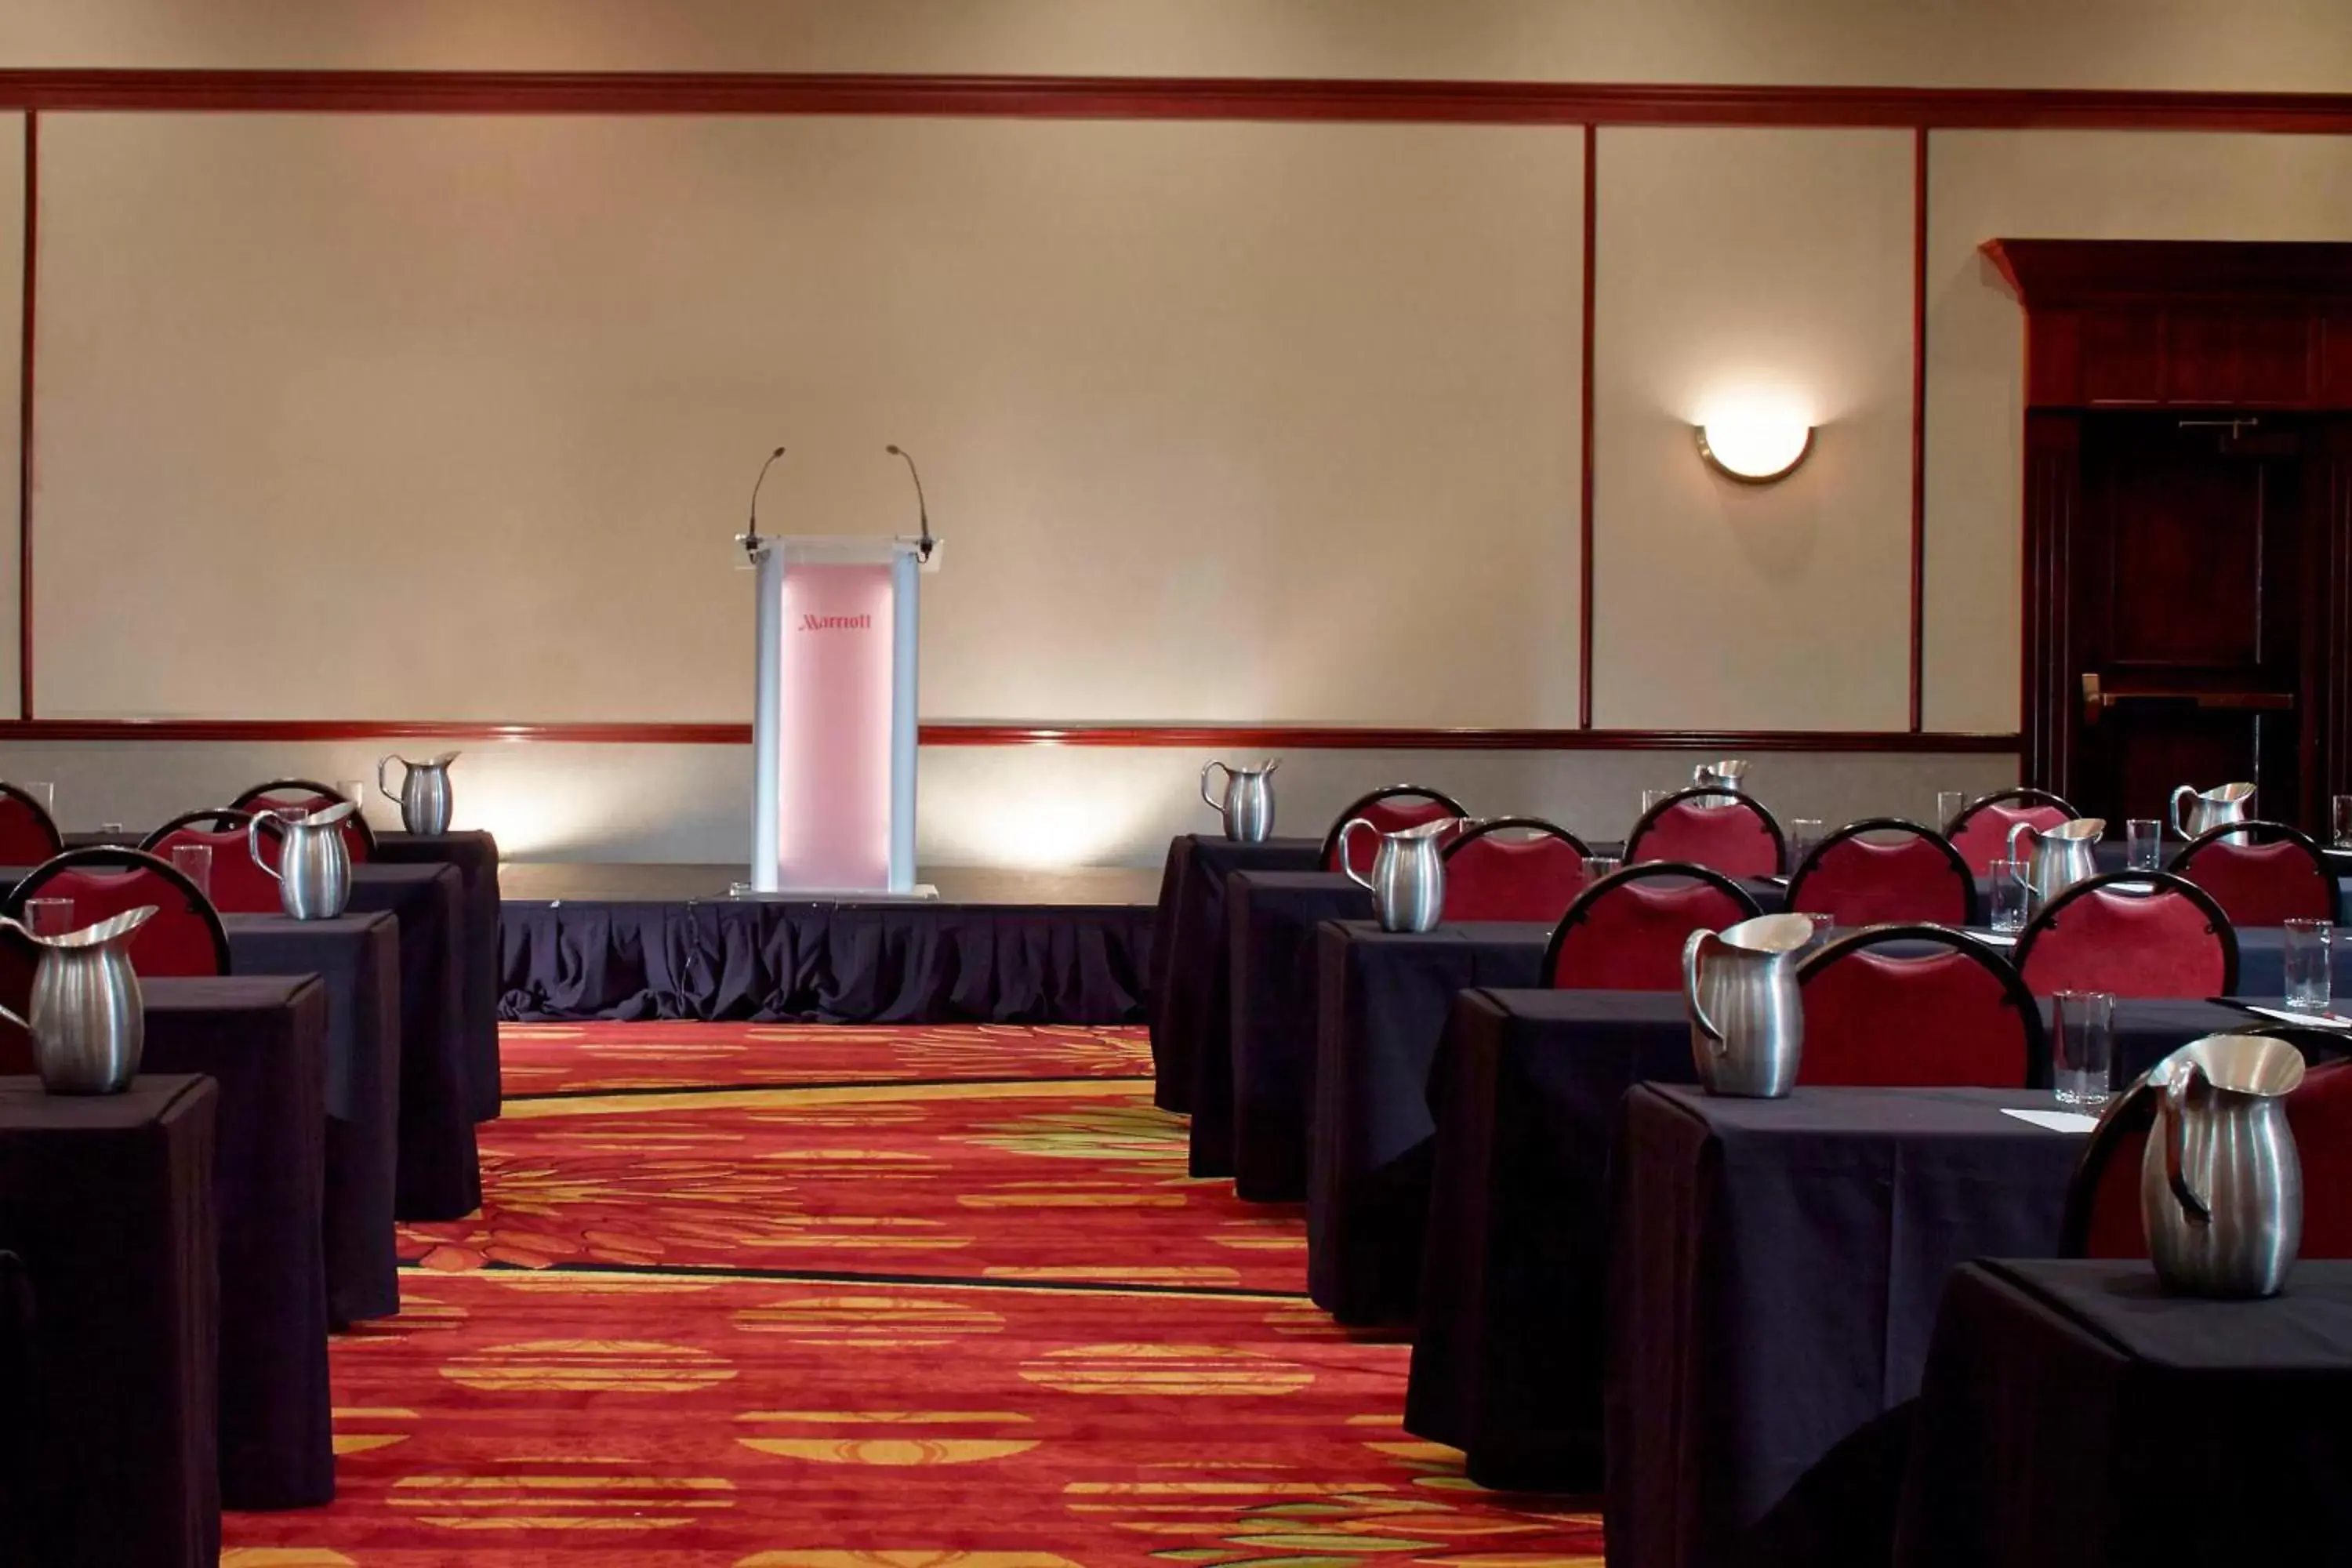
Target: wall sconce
{"points": [[1755, 446]]}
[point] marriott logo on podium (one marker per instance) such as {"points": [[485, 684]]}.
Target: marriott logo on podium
{"points": [[811, 623]]}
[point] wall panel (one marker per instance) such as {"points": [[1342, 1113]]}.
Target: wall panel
{"points": [[2277, 45], [12, 347], [1731, 264], [2055, 185], [1219, 420]]}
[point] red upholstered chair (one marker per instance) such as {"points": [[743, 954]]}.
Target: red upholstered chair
{"points": [[2132, 934], [2278, 875], [1981, 833], [1625, 932], [2102, 1217], [185, 937], [1962, 1018], [238, 886], [1883, 868], [28, 835], [1725, 832], [1399, 806], [1513, 868], [312, 795]]}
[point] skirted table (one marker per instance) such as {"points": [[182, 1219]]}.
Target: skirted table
{"points": [[2073, 1413], [357, 959], [1189, 1005], [108, 1356], [1250, 1120], [439, 1171], [475, 857], [1506, 1359], [1774, 1270], [1380, 1010], [263, 1040]]}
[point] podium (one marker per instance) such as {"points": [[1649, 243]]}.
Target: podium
{"points": [[834, 716]]}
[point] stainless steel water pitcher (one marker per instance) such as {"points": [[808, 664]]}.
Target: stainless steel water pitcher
{"points": [[88, 1020], [1248, 805], [2220, 1188], [314, 864], [1747, 1019], [423, 792], [2060, 857], [1408, 880], [1729, 776], [2210, 809]]}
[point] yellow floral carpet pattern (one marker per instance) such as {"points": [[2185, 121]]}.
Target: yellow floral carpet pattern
{"points": [[829, 1298]]}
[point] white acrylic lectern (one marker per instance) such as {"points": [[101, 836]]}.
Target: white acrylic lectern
{"points": [[833, 717]]}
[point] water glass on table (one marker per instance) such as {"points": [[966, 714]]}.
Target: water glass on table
{"points": [[2008, 895], [354, 791], [50, 917], [45, 792], [1599, 866], [1804, 832], [194, 861], [1950, 804], [1650, 798], [2143, 844], [2083, 1046], [2310, 984]]}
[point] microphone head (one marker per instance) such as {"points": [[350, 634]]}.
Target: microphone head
{"points": [[774, 454], [893, 450]]}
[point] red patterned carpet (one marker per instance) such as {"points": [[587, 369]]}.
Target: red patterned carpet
{"points": [[824, 1298]]}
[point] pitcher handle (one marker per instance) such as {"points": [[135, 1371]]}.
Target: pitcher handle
{"points": [[2178, 831], [1205, 798], [2175, 1144], [2014, 830], [381, 764], [253, 844], [1691, 945], [12, 924], [1341, 845]]}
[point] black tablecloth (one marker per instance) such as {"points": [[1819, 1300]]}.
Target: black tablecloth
{"points": [[1190, 1008], [263, 1040], [108, 1201], [357, 958], [1506, 1359], [1382, 1004], [1256, 1130], [2073, 1413], [1774, 1270], [474, 855], [439, 1168]]}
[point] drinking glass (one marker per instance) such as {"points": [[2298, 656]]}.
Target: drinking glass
{"points": [[1821, 924], [1650, 798], [1804, 832], [2007, 894], [50, 917], [2143, 844], [2343, 820], [46, 792], [1950, 804], [354, 791], [2082, 1047], [194, 861], [2309, 984], [1599, 866], [290, 814]]}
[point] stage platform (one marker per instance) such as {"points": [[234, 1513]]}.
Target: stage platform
{"points": [[583, 941]]}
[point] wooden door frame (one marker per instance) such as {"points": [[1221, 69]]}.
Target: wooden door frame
{"points": [[2211, 327]]}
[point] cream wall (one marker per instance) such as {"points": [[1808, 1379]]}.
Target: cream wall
{"points": [[12, 366], [2253, 44], [1736, 264], [1988, 184], [1220, 421]]}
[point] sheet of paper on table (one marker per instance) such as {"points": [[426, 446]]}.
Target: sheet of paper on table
{"points": [[2056, 1120], [2315, 1020]]}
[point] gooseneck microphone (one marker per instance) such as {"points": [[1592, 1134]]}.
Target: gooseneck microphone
{"points": [[922, 507], [753, 536]]}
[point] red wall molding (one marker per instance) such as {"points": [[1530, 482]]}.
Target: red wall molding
{"points": [[1165, 98], [1296, 736]]}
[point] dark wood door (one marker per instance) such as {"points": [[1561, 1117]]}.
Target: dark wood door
{"points": [[2188, 610]]}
